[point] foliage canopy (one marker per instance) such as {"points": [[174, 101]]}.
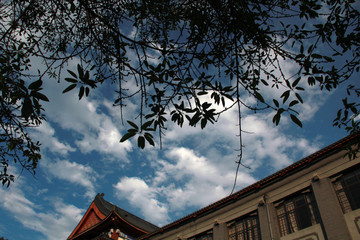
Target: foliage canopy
{"points": [[186, 61]]}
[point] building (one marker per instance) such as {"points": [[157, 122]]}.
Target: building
{"points": [[104, 220], [315, 198]]}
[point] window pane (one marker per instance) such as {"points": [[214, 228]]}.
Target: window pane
{"points": [[347, 189], [297, 213], [246, 228]]}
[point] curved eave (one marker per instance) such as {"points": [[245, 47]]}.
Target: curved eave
{"points": [[113, 220], [91, 208]]}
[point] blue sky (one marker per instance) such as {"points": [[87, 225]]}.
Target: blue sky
{"points": [[82, 156]]}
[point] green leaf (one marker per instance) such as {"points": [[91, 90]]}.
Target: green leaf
{"points": [[203, 123], [315, 55], [87, 76], [264, 82], [202, 93], [259, 97], [69, 88], [133, 125], [127, 136], [149, 138], [296, 82], [141, 142], [311, 81], [299, 97], [146, 125], [276, 102], [296, 120], [329, 59], [35, 85], [72, 73], [277, 116], [71, 80], [81, 92], [294, 102], [285, 95], [39, 96], [81, 71], [276, 119], [206, 105], [26, 109]]}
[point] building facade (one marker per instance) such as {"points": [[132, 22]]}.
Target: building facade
{"points": [[315, 198]]}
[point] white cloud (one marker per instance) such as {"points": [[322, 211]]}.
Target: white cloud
{"points": [[74, 173], [205, 181], [185, 180], [91, 128], [46, 135], [140, 195], [55, 224], [270, 146]]}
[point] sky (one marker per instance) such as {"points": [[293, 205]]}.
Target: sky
{"points": [[82, 156]]}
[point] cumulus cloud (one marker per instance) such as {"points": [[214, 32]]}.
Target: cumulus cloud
{"points": [[140, 195], [45, 133], [54, 224], [205, 181], [74, 173], [184, 180], [91, 128], [270, 146]]}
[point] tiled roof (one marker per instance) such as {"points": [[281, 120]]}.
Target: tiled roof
{"points": [[106, 207]]}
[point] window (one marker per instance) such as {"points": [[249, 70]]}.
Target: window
{"points": [[245, 228], [347, 189], [297, 213], [203, 236]]}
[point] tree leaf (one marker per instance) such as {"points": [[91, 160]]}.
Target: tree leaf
{"points": [[72, 73], [71, 80], [149, 139], [203, 123], [285, 95], [80, 71], [294, 102], [296, 120], [259, 97], [26, 109], [141, 142], [202, 93], [276, 103], [69, 88], [81, 92], [35, 85], [40, 96], [127, 136], [146, 125], [299, 97], [295, 83], [133, 125]]}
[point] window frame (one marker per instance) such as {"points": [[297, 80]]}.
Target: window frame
{"points": [[346, 189], [208, 235], [249, 230], [296, 212]]}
